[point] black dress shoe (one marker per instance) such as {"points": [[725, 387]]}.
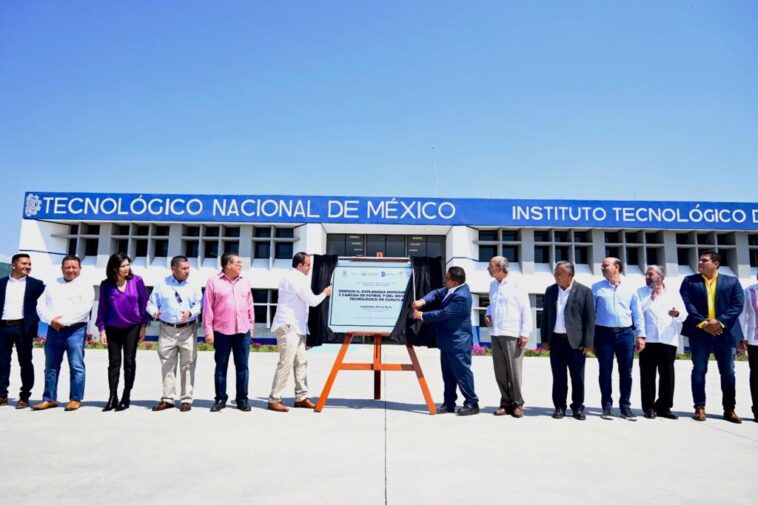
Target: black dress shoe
{"points": [[111, 404], [468, 410], [667, 414], [243, 406], [578, 414], [649, 414], [559, 413], [444, 409], [218, 405], [607, 414], [628, 414]]}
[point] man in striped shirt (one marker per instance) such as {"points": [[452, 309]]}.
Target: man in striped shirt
{"points": [[228, 320]]}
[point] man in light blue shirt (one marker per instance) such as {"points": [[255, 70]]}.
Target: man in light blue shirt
{"points": [[176, 304], [618, 313]]}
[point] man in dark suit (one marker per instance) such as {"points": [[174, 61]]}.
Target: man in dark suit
{"points": [[18, 325], [567, 331], [451, 314], [714, 303]]}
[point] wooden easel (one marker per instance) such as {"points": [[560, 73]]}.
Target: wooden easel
{"points": [[377, 367]]}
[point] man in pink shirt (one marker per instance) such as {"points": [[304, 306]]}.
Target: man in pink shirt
{"points": [[228, 320]]}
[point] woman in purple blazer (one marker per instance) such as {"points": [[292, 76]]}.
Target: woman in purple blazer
{"points": [[122, 320]]}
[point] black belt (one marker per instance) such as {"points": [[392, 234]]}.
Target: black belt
{"points": [[616, 329], [11, 322], [178, 325], [563, 335]]}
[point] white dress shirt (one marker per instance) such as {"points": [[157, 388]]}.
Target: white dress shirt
{"points": [[295, 296], [748, 317], [660, 327], [71, 300], [14, 299], [509, 309], [560, 308]]}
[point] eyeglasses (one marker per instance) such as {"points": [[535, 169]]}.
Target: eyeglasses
{"points": [[178, 297]]}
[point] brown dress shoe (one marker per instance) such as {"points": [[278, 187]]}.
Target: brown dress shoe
{"points": [[518, 411], [72, 405], [186, 407], [24, 404], [278, 407], [45, 405], [699, 414], [305, 404], [500, 411], [732, 417], [163, 406], [3, 400]]}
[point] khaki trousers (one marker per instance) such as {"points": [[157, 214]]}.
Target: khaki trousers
{"points": [[291, 353], [178, 344], [507, 357]]}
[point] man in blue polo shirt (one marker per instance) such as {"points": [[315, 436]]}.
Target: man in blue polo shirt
{"points": [[617, 313]]}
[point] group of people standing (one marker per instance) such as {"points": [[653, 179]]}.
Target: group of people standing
{"points": [[609, 318], [124, 312]]}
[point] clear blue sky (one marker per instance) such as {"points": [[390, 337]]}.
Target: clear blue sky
{"points": [[561, 99]]}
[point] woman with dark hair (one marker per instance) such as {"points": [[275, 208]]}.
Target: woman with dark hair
{"points": [[122, 320]]}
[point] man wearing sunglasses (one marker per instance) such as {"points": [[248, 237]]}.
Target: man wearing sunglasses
{"points": [[176, 304]]}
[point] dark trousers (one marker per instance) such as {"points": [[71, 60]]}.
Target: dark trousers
{"points": [[225, 345], [724, 349], [657, 357], [10, 336], [563, 357], [608, 343], [122, 340], [752, 357], [456, 372]]}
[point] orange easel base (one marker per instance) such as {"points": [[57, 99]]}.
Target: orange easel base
{"points": [[377, 367]]}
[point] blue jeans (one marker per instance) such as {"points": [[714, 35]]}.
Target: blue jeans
{"points": [[225, 345], [608, 343], [724, 350], [71, 341], [563, 357], [456, 373]]}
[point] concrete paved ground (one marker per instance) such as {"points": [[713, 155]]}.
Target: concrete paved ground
{"points": [[360, 451]]}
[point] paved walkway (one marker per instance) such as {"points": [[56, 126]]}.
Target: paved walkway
{"points": [[360, 451]]}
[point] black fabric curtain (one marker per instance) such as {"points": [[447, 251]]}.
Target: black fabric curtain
{"points": [[318, 317], [428, 275]]}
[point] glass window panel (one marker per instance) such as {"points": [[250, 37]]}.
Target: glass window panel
{"points": [[395, 246], [72, 247], [140, 250], [260, 295], [542, 254], [191, 248], [261, 250], [613, 251], [210, 249], [486, 252], [121, 229], [375, 244], [283, 250], [161, 248], [561, 236], [335, 244], [192, 231], [581, 236], [74, 229], [632, 256], [435, 246], [562, 253], [542, 235], [511, 236], [752, 239], [262, 232], [161, 231], [92, 229], [285, 232], [122, 245], [612, 237], [142, 230], [488, 235], [653, 256], [354, 245], [511, 252], [582, 255], [212, 231], [260, 313], [683, 257], [232, 247], [232, 231], [754, 258]]}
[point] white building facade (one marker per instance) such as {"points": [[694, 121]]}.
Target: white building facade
{"points": [[267, 230]]}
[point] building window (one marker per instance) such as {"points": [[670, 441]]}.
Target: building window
{"points": [[390, 246], [264, 306], [268, 239], [499, 242]]}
